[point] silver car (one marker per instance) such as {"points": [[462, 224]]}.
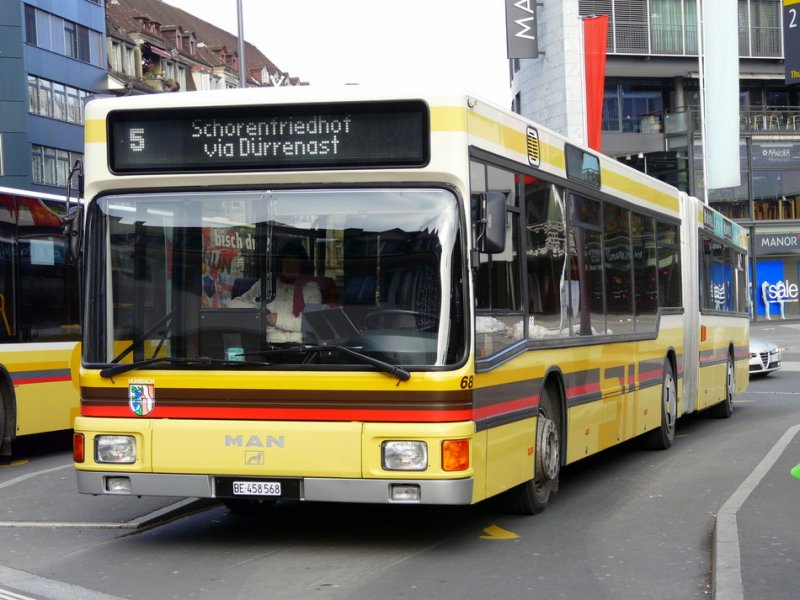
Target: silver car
{"points": [[765, 357]]}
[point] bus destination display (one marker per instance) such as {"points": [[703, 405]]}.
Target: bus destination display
{"points": [[267, 137]]}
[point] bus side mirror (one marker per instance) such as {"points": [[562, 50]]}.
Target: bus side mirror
{"points": [[73, 231], [492, 239]]}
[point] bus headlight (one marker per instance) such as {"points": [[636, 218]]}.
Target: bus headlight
{"points": [[402, 455], [118, 449]]}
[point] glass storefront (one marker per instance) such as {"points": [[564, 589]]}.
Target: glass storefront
{"points": [[775, 273]]}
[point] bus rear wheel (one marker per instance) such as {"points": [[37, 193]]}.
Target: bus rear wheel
{"points": [[532, 497], [724, 409], [662, 437]]}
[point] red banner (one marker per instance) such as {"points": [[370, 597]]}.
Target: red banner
{"points": [[595, 34]]}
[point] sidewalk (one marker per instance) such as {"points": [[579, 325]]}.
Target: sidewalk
{"points": [[756, 550]]}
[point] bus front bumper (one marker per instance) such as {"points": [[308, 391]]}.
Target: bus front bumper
{"points": [[312, 489]]}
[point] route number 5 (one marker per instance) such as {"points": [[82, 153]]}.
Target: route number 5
{"points": [[136, 137]]}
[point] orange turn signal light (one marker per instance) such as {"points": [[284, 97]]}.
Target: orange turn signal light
{"points": [[78, 447], [455, 455]]}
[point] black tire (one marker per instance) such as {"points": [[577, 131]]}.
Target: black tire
{"points": [[532, 497], [662, 437], [724, 409]]}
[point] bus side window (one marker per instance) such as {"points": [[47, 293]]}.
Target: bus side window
{"points": [[498, 287], [645, 272], [669, 268], [545, 253], [587, 301], [48, 283]]}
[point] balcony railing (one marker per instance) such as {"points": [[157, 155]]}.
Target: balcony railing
{"points": [[775, 119]]}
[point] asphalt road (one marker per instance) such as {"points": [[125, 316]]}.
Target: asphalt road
{"points": [[629, 523]]}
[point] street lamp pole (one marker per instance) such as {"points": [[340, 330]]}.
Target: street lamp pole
{"points": [[242, 62]]}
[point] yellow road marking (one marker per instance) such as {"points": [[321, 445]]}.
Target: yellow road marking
{"points": [[498, 533]]}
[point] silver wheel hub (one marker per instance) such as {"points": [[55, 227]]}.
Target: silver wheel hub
{"points": [[670, 398], [547, 452]]}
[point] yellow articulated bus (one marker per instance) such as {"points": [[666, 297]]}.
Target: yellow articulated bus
{"points": [[384, 297], [39, 316]]}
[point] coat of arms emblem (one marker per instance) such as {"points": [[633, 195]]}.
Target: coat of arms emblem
{"points": [[141, 398]]}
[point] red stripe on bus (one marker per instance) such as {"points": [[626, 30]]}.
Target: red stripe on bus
{"points": [[583, 390], [284, 414], [310, 414], [501, 408], [648, 375]]}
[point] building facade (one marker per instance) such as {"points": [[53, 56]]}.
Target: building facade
{"points": [[651, 116], [52, 57], [56, 54]]}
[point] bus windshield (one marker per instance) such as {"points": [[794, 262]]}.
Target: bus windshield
{"points": [[337, 278]]}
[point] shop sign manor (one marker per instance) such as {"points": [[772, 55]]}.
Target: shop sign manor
{"points": [[776, 243]]}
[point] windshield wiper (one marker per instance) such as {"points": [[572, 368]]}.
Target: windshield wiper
{"points": [[382, 366], [200, 361], [167, 318]]}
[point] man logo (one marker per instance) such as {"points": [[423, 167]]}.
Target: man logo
{"points": [[255, 441], [255, 458]]}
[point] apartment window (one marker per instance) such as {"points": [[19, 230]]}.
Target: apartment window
{"points": [[50, 166], [181, 76], [43, 29], [57, 37], [58, 101], [30, 25], [45, 98], [128, 63], [53, 33], [673, 26], [765, 27], [33, 95], [115, 56], [74, 112], [71, 37]]}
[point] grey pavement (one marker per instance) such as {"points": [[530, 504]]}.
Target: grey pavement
{"points": [[756, 548]]}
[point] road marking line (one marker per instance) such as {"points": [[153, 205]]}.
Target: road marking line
{"points": [[495, 532], [9, 595], [727, 575], [41, 587], [136, 523], [16, 480]]}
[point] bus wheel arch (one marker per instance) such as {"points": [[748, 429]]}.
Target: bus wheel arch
{"points": [[8, 412], [532, 496]]}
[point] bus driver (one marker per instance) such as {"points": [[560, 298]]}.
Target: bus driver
{"points": [[294, 288]]}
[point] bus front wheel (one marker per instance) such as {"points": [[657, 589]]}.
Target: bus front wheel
{"points": [[532, 497]]}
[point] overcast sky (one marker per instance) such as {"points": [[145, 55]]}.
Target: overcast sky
{"points": [[452, 42]]}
